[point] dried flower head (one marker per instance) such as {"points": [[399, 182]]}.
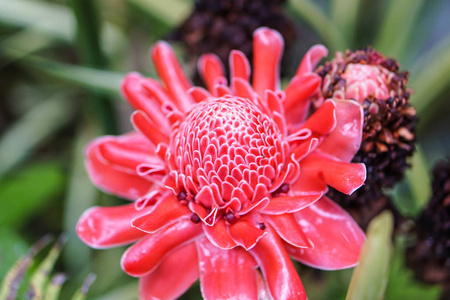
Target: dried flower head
{"points": [[228, 182], [389, 120], [429, 256]]}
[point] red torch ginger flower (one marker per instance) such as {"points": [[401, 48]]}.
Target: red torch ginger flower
{"points": [[229, 182]]}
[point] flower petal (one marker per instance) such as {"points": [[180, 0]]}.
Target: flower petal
{"points": [[311, 59], [280, 274], [297, 100], [226, 274], [344, 141], [145, 126], [171, 73], [218, 235], [112, 178], [323, 120], [268, 47], [165, 212], [246, 231], [166, 281], [336, 237], [145, 255], [282, 205], [239, 65], [288, 229], [104, 227], [211, 69]]}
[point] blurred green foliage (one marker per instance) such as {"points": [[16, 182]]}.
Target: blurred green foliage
{"points": [[61, 63]]}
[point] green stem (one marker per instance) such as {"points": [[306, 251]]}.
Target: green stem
{"points": [[88, 34]]}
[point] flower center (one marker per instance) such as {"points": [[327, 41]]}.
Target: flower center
{"points": [[363, 81], [225, 156]]}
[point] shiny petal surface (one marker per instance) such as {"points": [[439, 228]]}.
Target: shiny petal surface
{"points": [[277, 268], [267, 50], [145, 255], [166, 282], [344, 141], [164, 213], [246, 232], [219, 235], [311, 59], [104, 227], [211, 69], [288, 229], [112, 178], [226, 274], [336, 237], [282, 205]]}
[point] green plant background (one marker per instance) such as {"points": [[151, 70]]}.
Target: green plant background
{"points": [[61, 63]]}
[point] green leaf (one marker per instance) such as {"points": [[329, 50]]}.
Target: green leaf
{"points": [[32, 129], [429, 79], [26, 192], [40, 277], [369, 278], [12, 247], [345, 15], [397, 27], [322, 24]]}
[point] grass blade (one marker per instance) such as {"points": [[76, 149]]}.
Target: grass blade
{"points": [[322, 24], [397, 27], [54, 287], [82, 292], [369, 278]]}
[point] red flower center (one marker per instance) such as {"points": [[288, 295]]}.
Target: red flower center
{"points": [[225, 157]]}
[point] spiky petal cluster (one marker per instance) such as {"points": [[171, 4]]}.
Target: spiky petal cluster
{"points": [[389, 122], [229, 182]]}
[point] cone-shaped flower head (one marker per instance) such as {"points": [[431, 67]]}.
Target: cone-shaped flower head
{"points": [[228, 182], [389, 121]]}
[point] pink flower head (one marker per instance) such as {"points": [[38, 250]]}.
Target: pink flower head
{"points": [[228, 182]]}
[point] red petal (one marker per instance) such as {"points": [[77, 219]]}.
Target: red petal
{"points": [[112, 178], [297, 96], [344, 141], [323, 120], [145, 255], [282, 205], [211, 69], [171, 73], [311, 59], [345, 177], [104, 227], [277, 268], [268, 47], [287, 228], [165, 212], [218, 235], [133, 90], [226, 274], [336, 238], [166, 281], [143, 124], [239, 65], [246, 232]]}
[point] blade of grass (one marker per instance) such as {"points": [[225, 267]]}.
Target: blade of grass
{"points": [[429, 79], [88, 35], [419, 181], [53, 21], [345, 15], [32, 129], [369, 278], [322, 24], [40, 277], [397, 27]]}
